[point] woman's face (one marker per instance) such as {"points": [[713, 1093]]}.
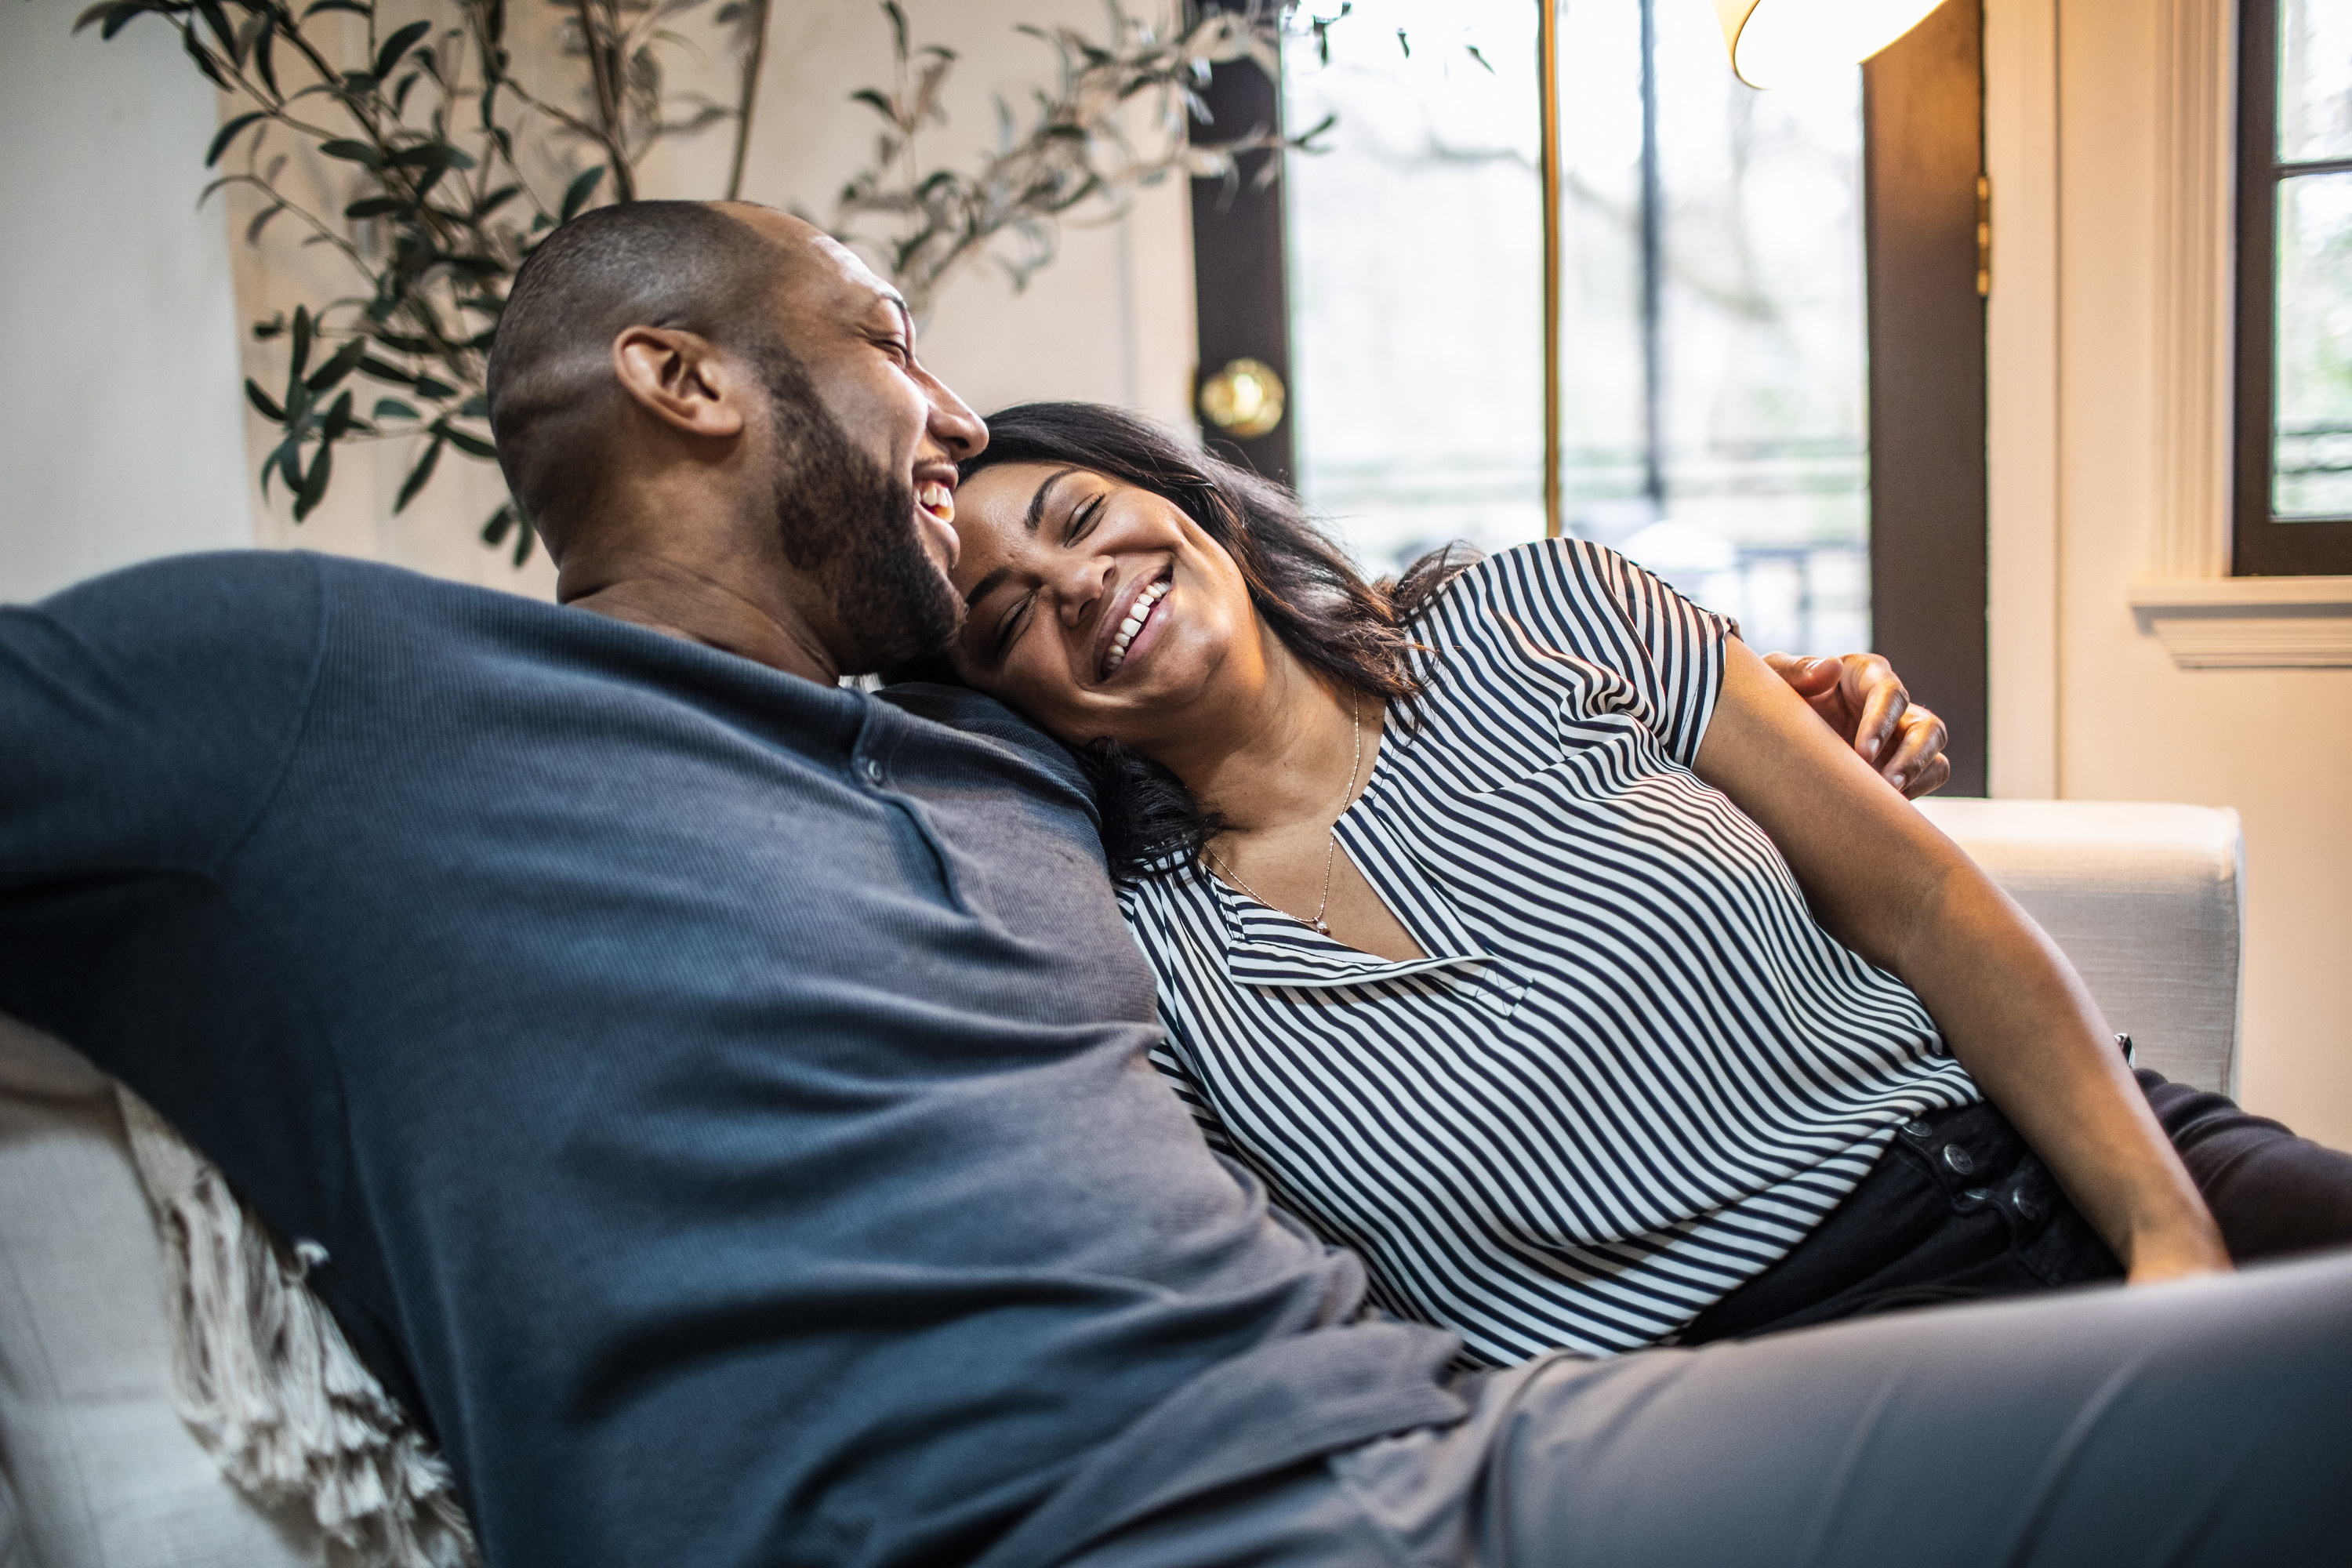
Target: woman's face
{"points": [[1097, 608]]}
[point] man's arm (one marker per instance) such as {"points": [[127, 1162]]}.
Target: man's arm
{"points": [[1860, 696], [1903, 896]]}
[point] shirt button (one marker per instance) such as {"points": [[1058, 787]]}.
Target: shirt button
{"points": [[873, 771], [2027, 1204], [1918, 1129], [1959, 1159], [1976, 1195]]}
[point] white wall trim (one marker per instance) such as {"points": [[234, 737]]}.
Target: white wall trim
{"points": [[2248, 623], [2022, 415], [2194, 278], [2186, 597]]}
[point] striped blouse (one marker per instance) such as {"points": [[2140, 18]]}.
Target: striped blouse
{"points": [[1631, 1070]]}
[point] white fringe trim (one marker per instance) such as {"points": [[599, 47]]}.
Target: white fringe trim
{"points": [[267, 1381]]}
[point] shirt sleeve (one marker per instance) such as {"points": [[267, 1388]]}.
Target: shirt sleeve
{"points": [[144, 716], [1570, 603]]}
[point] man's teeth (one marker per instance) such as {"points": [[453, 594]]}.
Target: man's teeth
{"points": [[937, 499], [1134, 622]]}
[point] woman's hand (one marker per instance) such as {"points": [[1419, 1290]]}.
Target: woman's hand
{"points": [[1890, 887], [1860, 696]]}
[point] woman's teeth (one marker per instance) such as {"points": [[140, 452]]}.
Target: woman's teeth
{"points": [[1134, 624], [937, 499]]}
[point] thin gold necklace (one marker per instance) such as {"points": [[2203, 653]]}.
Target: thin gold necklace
{"points": [[1330, 850]]}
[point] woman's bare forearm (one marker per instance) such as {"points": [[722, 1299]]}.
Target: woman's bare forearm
{"points": [[1889, 886]]}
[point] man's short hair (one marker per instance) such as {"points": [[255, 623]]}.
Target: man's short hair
{"points": [[553, 391]]}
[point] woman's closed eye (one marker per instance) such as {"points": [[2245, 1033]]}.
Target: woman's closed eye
{"points": [[1080, 522], [1084, 516]]}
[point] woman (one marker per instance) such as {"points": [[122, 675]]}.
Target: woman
{"points": [[1527, 934]]}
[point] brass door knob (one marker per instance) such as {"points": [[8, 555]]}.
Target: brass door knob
{"points": [[1243, 400]]}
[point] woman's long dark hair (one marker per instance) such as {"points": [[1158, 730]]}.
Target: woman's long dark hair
{"points": [[1348, 630]]}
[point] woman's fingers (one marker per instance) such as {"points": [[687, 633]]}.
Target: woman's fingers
{"points": [[1876, 693], [1916, 763]]}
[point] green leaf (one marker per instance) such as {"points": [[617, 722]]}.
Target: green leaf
{"points": [[265, 330], [116, 15], [371, 365], [262, 401], [351, 6], [393, 408], [476, 408], [376, 206], [301, 338], [346, 360], [228, 134], [397, 45], [217, 20], [263, 60], [204, 61], [494, 201], [427, 386], [472, 445], [522, 543], [438, 154], [577, 195], [353, 151], [501, 522], [314, 487], [339, 419], [418, 475], [261, 221], [290, 462]]}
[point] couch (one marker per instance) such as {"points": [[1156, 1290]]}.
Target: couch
{"points": [[98, 1471]]}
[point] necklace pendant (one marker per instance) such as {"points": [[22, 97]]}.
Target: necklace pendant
{"points": [[1323, 926]]}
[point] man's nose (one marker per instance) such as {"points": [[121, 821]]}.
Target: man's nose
{"points": [[953, 423]]}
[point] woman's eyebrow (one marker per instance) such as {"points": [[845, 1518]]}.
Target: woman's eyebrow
{"points": [[1036, 512]]}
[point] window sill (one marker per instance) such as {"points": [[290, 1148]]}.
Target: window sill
{"points": [[2248, 623]]}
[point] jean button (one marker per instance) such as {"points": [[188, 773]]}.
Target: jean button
{"points": [[1959, 1159], [2026, 1203], [1976, 1195], [1918, 1129]]}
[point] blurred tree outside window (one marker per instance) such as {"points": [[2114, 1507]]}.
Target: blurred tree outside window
{"points": [[1713, 338]]}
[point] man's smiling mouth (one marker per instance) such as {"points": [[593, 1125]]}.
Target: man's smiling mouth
{"points": [[937, 499]]}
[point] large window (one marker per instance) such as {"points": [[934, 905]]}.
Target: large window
{"points": [[1714, 412], [2294, 479]]}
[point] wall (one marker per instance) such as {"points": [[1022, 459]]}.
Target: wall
{"points": [[119, 420], [2098, 305]]}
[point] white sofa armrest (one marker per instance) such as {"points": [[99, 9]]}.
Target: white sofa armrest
{"points": [[2147, 900]]}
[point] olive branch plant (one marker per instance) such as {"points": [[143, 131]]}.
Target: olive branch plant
{"points": [[454, 158]]}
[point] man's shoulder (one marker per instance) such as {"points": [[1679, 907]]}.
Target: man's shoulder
{"points": [[981, 717]]}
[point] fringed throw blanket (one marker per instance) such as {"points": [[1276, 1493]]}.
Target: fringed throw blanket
{"points": [[267, 1381]]}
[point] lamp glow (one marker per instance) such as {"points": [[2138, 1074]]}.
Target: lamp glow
{"points": [[1779, 43]]}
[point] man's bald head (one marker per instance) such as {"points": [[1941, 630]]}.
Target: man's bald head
{"points": [[695, 267]]}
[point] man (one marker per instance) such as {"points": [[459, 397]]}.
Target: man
{"points": [[720, 1095]]}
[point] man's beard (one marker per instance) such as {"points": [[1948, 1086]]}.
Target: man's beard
{"points": [[850, 526]]}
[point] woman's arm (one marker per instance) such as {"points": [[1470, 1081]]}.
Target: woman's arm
{"points": [[1902, 895]]}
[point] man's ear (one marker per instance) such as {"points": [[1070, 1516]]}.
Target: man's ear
{"points": [[682, 380]]}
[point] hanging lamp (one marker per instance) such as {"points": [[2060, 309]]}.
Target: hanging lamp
{"points": [[1778, 43]]}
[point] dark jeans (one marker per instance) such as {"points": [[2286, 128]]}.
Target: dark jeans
{"points": [[1959, 1209]]}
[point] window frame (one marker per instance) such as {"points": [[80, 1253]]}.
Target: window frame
{"points": [[2260, 544]]}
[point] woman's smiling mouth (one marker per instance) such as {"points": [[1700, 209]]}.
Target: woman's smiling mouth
{"points": [[1137, 613]]}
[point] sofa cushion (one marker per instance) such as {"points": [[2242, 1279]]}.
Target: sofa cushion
{"points": [[103, 1472]]}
